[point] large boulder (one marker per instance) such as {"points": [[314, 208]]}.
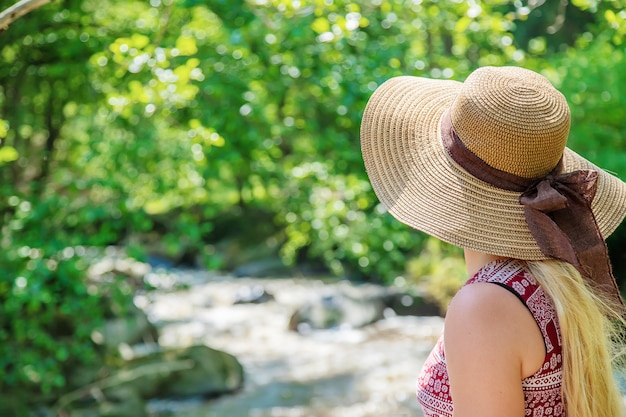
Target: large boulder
{"points": [[193, 371], [196, 371]]}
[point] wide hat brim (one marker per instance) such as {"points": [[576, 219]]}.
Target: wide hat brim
{"points": [[421, 186]]}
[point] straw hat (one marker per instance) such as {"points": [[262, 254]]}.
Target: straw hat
{"points": [[511, 118]]}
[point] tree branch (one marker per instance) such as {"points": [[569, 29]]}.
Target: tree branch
{"points": [[18, 10], [560, 18]]}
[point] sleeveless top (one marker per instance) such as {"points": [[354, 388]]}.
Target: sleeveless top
{"points": [[542, 391]]}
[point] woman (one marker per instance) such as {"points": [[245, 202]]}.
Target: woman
{"points": [[483, 165]]}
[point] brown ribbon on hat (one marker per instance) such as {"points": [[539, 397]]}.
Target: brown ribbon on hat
{"points": [[557, 208]]}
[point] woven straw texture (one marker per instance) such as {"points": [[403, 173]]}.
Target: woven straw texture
{"points": [[421, 186]]}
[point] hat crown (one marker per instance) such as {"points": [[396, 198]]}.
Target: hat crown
{"points": [[513, 119]]}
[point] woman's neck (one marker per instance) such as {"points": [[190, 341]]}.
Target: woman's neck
{"points": [[476, 260]]}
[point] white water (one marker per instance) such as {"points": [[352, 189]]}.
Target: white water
{"points": [[342, 372]]}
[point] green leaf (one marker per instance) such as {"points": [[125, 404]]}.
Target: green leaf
{"points": [[4, 128], [8, 154]]}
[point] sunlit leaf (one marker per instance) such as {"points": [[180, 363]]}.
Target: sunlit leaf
{"points": [[4, 128], [320, 25], [186, 45], [8, 154]]}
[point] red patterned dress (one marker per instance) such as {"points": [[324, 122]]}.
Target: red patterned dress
{"points": [[542, 391]]}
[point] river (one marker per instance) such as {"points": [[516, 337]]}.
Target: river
{"points": [[339, 372]]}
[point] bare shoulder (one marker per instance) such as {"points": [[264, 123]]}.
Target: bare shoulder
{"points": [[492, 317], [483, 300], [491, 343]]}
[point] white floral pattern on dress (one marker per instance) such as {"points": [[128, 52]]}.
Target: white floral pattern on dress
{"points": [[542, 391]]}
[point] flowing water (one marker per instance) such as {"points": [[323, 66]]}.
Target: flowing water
{"points": [[348, 372]]}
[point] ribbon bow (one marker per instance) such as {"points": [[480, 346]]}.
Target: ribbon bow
{"points": [[557, 208], [558, 213]]}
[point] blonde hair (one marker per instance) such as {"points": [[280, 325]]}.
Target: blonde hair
{"points": [[592, 333]]}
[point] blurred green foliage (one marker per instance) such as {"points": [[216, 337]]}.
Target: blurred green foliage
{"points": [[438, 271], [184, 122]]}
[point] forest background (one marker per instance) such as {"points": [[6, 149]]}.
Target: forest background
{"points": [[187, 128]]}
